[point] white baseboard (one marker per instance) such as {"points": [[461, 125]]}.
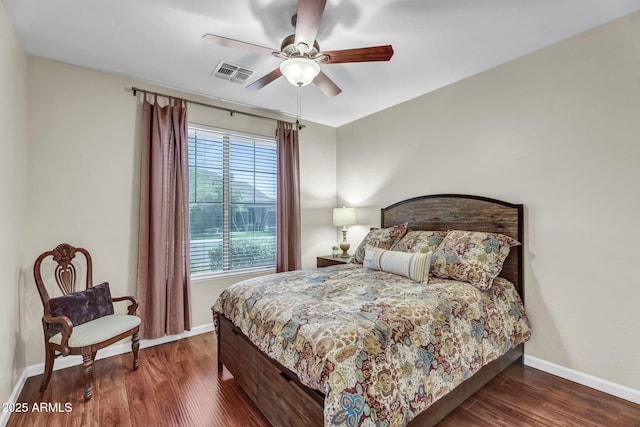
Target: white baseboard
{"points": [[618, 390], [112, 350], [13, 397]]}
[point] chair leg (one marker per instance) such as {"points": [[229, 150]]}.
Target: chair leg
{"points": [[48, 368], [87, 365], [135, 346]]}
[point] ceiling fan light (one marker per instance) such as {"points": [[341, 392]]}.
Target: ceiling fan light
{"points": [[299, 71]]}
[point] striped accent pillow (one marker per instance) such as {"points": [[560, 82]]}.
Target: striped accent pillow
{"points": [[415, 266]]}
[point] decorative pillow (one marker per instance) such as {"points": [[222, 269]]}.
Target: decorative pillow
{"points": [[383, 238], [471, 256], [420, 241], [415, 266], [81, 307]]}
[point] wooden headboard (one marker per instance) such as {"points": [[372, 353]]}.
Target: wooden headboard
{"points": [[463, 212]]}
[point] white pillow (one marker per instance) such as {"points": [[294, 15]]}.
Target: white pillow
{"points": [[414, 265]]}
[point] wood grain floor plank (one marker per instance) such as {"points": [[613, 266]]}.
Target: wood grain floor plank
{"points": [[543, 405], [178, 384], [592, 405], [114, 406], [142, 400]]}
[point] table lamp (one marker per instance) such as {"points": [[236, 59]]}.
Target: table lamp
{"points": [[342, 217]]}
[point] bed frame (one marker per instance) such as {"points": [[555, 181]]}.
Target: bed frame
{"points": [[285, 401]]}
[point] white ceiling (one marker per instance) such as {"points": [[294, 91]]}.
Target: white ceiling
{"points": [[436, 42]]}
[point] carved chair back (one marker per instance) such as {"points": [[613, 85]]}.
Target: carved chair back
{"points": [[67, 271]]}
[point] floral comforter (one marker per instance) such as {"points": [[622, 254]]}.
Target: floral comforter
{"points": [[381, 347]]}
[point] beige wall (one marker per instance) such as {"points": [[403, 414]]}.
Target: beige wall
{"points": [[13, 179], [559, 131], [84, 179]]}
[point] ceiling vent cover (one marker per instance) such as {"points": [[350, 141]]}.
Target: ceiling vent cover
{"points": [[231, 72]]}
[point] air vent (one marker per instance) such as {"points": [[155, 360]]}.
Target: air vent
{"points": [[231, 72]]}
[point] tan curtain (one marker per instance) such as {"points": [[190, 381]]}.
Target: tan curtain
{"points": [[288, 246], [163, 240]]}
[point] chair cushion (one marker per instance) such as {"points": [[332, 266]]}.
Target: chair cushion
{"points": [[81, 307], [98, 330]]}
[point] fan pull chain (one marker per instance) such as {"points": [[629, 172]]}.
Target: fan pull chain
{"points": [[299, 109]]}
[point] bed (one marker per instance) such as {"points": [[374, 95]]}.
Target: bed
{"points": [[289, 368]]}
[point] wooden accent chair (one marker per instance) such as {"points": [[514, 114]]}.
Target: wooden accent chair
{"points": [[82, 322]]}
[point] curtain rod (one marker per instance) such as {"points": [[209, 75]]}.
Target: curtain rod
{"points": [[228, 110]]}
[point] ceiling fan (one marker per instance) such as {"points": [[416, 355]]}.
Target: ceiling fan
{"points": [[301, 52]]}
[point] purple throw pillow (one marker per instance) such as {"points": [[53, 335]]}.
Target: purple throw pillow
{"points": [[81, 307]]}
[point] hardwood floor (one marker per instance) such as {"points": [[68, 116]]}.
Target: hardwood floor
{"points": [[178, 385]]}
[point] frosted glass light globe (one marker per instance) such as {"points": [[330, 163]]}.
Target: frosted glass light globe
{"points": [[299, 71]]}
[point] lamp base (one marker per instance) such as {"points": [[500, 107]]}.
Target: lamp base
{"points": [[344, 245]]}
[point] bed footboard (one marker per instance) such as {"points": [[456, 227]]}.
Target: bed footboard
{"points": [[274, 389]]}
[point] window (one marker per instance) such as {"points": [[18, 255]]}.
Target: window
{"points": [[232, 200]]}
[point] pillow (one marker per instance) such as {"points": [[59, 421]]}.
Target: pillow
{"points": [[420, 241], [81, 307], [415, 266], [471, 256], [383, 238]]}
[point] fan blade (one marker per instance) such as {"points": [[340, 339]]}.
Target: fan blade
{"points": [[223, 41], [364, 54], [308, 20], [326, 85], [265, 80]]}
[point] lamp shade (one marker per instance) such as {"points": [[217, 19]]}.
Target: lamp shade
{"points": [[344, 216], [299, 71]]}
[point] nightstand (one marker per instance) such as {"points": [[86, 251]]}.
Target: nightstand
{"points": [[327, 260]]}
